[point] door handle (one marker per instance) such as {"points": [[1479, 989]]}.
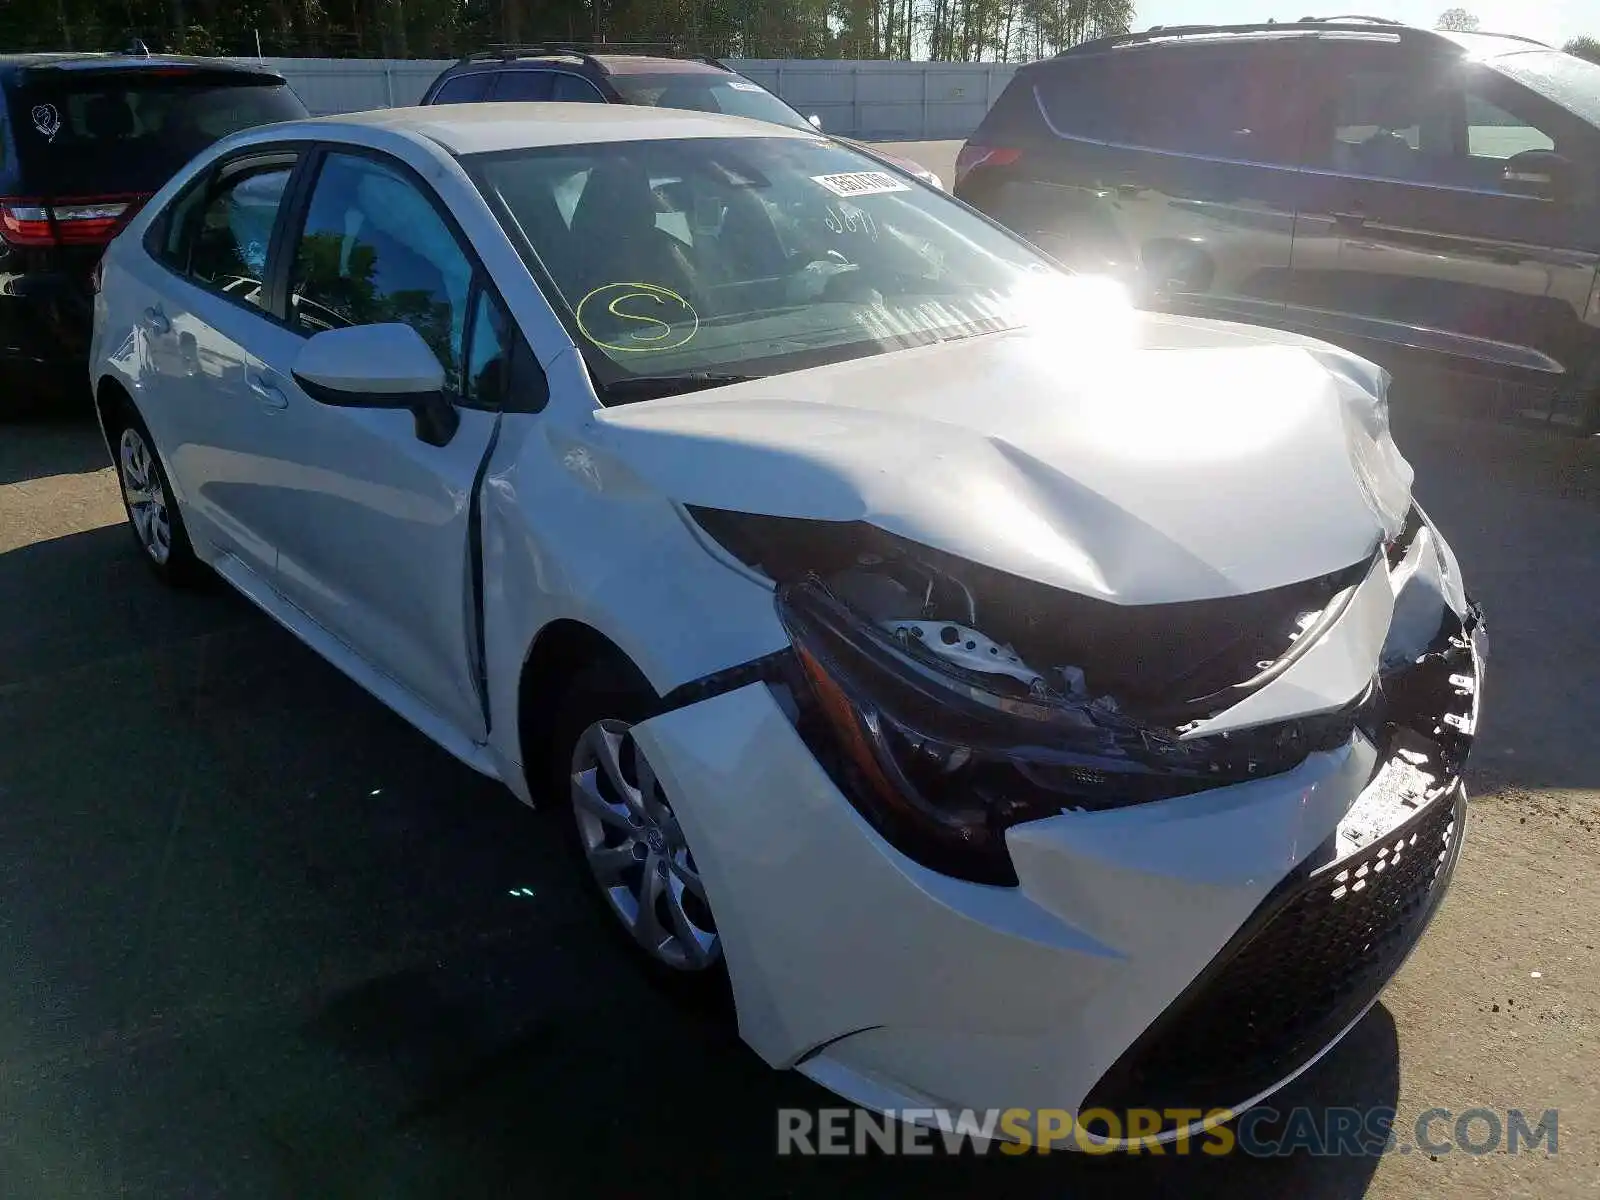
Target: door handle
{"points": [[269, 395], [1350, 220], [156, 322]]}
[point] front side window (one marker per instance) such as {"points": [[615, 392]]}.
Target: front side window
{"points": [[375, 250], [712, 92], [749, 255], [488, 360], [1492, 132], [574, 89], [1454, 128]]}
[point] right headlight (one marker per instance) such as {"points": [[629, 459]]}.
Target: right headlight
{"points": [[942, 761]]}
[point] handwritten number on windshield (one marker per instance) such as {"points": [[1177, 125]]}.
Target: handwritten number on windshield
{"points": [[847, 218]]}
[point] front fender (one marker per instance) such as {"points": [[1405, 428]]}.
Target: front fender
{"points": [[564, 539]]}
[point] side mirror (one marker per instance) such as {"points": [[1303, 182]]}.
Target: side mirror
{"points": [[379, 366], [816, 121], [1542, 173]]}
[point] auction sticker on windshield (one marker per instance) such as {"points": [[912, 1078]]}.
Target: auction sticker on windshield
{"points": [[861, 183]]}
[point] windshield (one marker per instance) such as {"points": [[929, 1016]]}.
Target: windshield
{"points": [[700, 92], [1563, 79], [105, 132], [749, 256]]}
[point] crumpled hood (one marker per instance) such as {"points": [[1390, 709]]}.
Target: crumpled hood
{"points": [[1168, 460]]}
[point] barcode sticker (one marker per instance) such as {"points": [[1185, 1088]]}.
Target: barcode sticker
{"points": [[744, 85], [861, 183]]}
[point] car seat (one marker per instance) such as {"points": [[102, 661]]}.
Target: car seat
{"points": [[614, 237]]}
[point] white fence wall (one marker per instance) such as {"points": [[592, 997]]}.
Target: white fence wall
{"points": [[903, 101]]}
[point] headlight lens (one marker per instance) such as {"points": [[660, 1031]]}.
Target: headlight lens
{"points": [[942, 761]]}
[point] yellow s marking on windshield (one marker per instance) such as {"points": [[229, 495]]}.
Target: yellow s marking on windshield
{"points": [[656, 333]]}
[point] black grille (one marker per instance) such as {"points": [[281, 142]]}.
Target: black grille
{"points": [[1313, 955]]}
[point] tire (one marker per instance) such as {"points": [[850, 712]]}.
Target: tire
{"points": [[625, 838], [153, 516]]}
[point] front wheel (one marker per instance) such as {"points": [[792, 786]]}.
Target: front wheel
{"points": [[637, 861]]}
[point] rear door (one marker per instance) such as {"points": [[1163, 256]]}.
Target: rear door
{"points": [[202, 324], [1421, 227], [1174, 167]]}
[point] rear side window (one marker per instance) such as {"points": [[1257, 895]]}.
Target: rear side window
{"points": [[1012, 116], [575, 89], [103, 133], [1234, 103], [465, 89], [218, 234], [709, 92], [523, 85]]}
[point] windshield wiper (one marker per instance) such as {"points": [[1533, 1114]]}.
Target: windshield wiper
{"points": [[645, 387]]}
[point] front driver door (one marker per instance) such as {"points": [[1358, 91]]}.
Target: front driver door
{"points": [[374, 527]]}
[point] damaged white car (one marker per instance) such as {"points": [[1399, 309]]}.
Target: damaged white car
{"points": [[1020, 701]]}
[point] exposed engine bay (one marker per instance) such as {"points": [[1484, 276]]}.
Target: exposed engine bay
{"points": [[1164, 664]]}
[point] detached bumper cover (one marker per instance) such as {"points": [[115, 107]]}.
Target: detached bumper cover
{"points": [[1305, 966], [1316, 953]]}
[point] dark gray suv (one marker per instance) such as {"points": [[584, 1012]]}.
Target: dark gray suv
{"points": [[1353, 179]]}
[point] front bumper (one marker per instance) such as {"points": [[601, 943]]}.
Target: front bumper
{"points": [[1194, 953]]}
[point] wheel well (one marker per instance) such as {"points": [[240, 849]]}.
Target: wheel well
{"points": [[109, 395], [560, 651]]}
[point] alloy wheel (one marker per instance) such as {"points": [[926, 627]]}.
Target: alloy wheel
{"points": [[637, 852], [146, 496]]}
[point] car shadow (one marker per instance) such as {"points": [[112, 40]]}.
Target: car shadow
{"points": [[37, 447], [629, 1094]]}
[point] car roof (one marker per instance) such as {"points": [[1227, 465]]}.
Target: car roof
{"points": [[1478, 45], [66, 61], [484, 128], [610, 64], [646, 64], [1492, 45]]}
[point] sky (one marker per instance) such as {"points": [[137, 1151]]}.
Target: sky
{"points": [[1553, 21]]}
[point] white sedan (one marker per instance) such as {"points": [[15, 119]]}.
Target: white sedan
{"points": [[1017, 700]]}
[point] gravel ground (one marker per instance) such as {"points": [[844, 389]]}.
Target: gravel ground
{"points": [[258, 938]]}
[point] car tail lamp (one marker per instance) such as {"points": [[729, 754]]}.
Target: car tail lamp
{"points": [[80, 221], [971, 157]]}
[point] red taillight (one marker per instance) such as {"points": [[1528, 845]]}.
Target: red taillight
{"points": [[77, 221], [26, 224], [972, 157]]}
